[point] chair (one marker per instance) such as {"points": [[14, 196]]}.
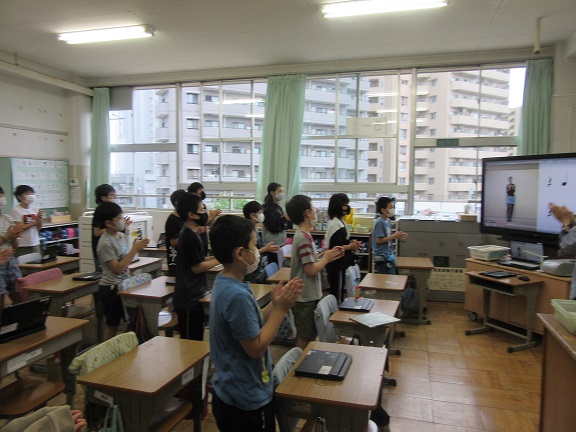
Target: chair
{"points": [[270, 269], [281, 369], [326, 307], [20, 294], [286, 253], [352, 278]]}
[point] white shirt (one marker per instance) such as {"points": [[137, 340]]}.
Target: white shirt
{"points": [[30, 237]]}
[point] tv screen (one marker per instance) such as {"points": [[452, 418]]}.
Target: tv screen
{"points": [[516, 192]]}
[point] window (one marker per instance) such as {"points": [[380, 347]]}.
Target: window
{"points": [[432, 132], [404, 100], [432, 116], [211, 123], [192, 123], [404, 117], [430, 180], [192, 174], [193, 148], [403, 133], [431, 164], [211, 98], [192, 98], [433, 99]]}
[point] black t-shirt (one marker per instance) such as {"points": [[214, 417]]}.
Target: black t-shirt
{"points": [[190, 287], [274, 219], [172, 229], [339, 239], [94, 238]]}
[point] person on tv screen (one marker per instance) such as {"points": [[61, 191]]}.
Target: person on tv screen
{"points": [[510, 199]]}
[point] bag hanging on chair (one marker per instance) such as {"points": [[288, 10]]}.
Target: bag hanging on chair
{"points": [[112, 420], [138, 326]]}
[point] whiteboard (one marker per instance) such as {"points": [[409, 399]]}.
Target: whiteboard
{"points": [[48, 178]]}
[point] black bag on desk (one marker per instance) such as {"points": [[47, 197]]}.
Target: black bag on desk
{"points": [[409, 302]]}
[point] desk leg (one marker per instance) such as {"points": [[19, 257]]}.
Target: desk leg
{"points": [[151, 311], [68, 355], [531, 297], [421, 277], [197, 402], [486, 311]]}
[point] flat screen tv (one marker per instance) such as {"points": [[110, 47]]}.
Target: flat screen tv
{"points": [[516, 192]]}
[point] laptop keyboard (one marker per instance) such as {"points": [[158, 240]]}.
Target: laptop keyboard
{"points": [[521, 265]]}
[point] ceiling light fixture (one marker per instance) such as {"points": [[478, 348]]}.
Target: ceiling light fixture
{"points": [[107, 34], [365, 7]]}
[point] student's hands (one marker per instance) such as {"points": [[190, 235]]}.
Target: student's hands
{"points": [[213, 214], [333, 254], [355, 245], [564, 216], [401, 235], [270, 247], [284, 294], [79, 421], [138, 245], [5, 255], [128, 221], [201, 229], [13, 232], [40, 216]]}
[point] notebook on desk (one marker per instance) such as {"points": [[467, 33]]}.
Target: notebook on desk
{"points": [[50, 254], [93, 276], [356, 305], [324, 365], [23, 319]]}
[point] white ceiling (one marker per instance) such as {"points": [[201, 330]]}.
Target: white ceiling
{"points": [[196, 35]]}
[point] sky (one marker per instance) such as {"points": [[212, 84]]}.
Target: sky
{"points": [[516, 87]]}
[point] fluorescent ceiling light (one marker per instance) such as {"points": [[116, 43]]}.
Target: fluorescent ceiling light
{"points": [[241, 101], [365, 7], [107, 34]]}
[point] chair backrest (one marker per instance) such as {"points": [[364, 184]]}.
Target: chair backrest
{"points": [[270, 269], [280, 257], [352, 278], [21, 295], [135, 280], [103, 353], [326, 307]]}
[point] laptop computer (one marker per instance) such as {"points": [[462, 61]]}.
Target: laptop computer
{"points": [[161, 241], [92, 276], [50, 254], [527, 256], [356, 305], [24, 318], [327, 365]]}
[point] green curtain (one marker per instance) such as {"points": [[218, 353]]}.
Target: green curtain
{"points": [[283, 119], [100, 145], [536, 108]]}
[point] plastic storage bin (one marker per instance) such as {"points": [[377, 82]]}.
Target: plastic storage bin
{"points": [[488, 252], [565, 313]]}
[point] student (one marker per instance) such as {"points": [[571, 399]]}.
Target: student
{"points": [[103, 193], [337, 235], [197, 188], [567, 241], [172, 229], [253, 211], [240, 332], [307, 266], [115, 256], [9, 232], [383, 248], [31, 218], [191, 268], [274, 225], [47, 419]]}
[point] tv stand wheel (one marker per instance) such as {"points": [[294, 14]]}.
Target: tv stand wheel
{"points": [[472, 316]]}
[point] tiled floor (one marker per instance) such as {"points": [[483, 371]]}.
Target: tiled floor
{"points": [[449, 382]]}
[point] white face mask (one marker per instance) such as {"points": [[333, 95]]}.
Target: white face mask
{"points": [[2, 201], [279, 197], [251, 268], [390, 213], [29, 199], [261, 217], [120, 225], [112, 200]]}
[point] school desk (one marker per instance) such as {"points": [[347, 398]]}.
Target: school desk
{"points": [[154, 252], [282, 274], [65, 263], [421, 268], [262, 293], [146, 265], [383, 286]]}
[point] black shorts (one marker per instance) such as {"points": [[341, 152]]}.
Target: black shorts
{"points": [[111, 304]]}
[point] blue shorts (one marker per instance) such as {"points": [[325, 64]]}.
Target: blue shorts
{"points": [[9, 272]]}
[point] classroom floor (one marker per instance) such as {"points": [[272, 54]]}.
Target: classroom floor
{"points": [[449, 382]]}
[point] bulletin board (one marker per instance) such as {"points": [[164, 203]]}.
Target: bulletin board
{"points": [[48, 178]]}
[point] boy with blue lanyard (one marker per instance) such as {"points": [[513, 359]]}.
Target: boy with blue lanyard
{"points": [[240, 332], [383, 247]]}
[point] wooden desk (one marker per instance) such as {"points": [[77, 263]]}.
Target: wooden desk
{"points": [[62, 290], [376, 336], [143, 379], [146, 265], [153, 252], [61, 334], [66, 264], [261, 292], [211, 275], [344, 404], [280, 275], [152, 297], [558, 377], [510, 287], [383, 286], [421, 268]]}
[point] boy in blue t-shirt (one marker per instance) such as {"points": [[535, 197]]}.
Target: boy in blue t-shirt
{"points": [[240, 332], [382, 238]]}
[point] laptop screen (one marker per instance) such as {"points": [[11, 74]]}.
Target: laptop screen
{"points": [[533, 252], [23, 318]]}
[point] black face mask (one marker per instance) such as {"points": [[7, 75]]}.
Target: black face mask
{"points": [[346, 211], [202, 195], [203, 219]]}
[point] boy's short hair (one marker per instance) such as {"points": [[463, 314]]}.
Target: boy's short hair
{"points": [[195, 187], [103, 190], [176, 195], [105, 212], [22, 189], [227, 233], [1, 190], [383, 202], [335, 205], [188, 203], [297, 206], [251, 207]]}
